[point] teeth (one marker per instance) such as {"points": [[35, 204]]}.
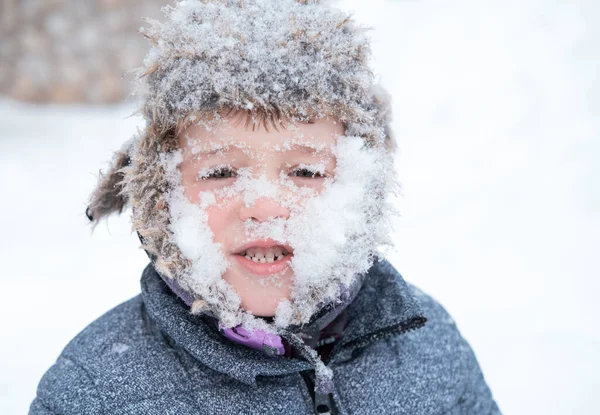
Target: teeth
{"points": [[266, 255]]}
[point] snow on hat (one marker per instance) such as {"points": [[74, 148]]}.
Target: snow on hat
{"points": [[283, 59], [276, 60]]}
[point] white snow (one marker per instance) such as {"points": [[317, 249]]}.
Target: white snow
{"points": [[349, 207], [496, 113], [266, 47]]}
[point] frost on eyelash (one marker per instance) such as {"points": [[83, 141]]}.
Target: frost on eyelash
{"points": [[204, 172], [315, 169]]}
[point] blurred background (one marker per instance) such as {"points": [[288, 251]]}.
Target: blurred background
{"points": [[69, 51], [496, 105]]}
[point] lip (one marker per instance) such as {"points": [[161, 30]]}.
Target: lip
{"points": [[267, 268], [263, 269], [262, 243]]}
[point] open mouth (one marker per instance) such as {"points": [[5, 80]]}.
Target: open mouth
{"points": [[265, 255]]}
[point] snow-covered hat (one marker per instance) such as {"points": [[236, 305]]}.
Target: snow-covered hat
{"points": [[278, 60]]}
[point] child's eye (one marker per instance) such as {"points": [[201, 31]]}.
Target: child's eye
{"points": [[220, 172], [306, 173]]}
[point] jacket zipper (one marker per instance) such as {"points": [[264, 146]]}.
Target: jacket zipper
{"points": [[404, 327], [324, 404]]}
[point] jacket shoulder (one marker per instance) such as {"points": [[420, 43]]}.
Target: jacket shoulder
{"points": [[66, 388], [118, 359], [440, 337], [111, 334], [441, 341], [438, 318], [70, 385]]}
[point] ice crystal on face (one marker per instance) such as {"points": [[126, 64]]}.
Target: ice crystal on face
{"points": [[284, 313], [252, 188], [314, 169], [207, 199], [334, 233], [270, 229], [195, 240]]}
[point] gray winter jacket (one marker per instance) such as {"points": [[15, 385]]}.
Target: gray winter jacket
{"points": [[400, 353]]}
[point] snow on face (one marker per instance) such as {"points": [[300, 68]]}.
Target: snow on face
{"points": [[313, 194]]}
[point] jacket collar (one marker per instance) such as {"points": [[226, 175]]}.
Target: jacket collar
{"points": [[384, 306]]}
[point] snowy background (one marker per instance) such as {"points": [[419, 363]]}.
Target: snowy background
{"points": [[497, 108]]}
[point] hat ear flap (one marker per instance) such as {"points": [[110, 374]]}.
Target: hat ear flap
{"points": [[108, 198], [382, 101]]}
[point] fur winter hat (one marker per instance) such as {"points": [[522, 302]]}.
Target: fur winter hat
{"points": [[277, 60]]}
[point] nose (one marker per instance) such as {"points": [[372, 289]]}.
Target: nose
{"points": [[263, 209]]}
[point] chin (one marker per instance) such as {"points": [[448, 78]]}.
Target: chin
{"points": [[259, 296], [262, 307], [270, 313]]}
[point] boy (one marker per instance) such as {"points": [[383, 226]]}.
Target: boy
{"points": [[259, 191]]}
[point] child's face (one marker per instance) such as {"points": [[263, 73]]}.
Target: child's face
{"points": [[243, 178]]}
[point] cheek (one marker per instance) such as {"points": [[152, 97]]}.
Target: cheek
{"points": [[298, 198], [220, 214], [217, 219], [220, 218]]}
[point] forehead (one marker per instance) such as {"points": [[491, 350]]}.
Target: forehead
{"points": [[320, 135]]}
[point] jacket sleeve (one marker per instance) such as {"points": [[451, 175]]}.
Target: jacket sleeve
{"points": [[66, 389], [477, 398], [474, 396]]}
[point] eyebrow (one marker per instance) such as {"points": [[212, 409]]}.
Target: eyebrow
{"points": [[304, 148], [223, 149], [311, 149], [226, 148]]}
